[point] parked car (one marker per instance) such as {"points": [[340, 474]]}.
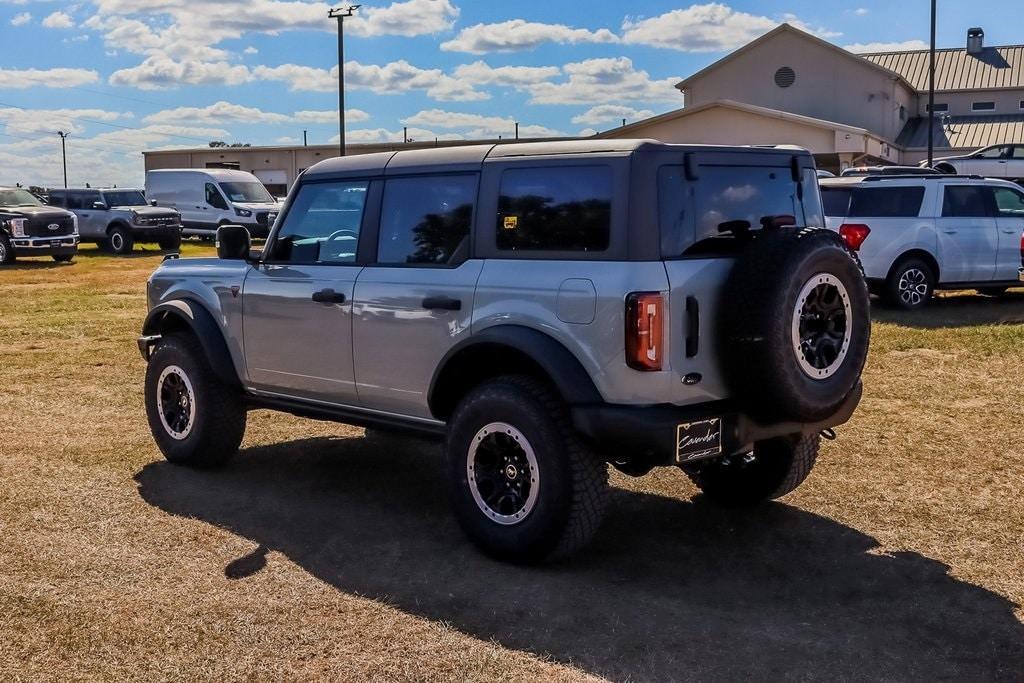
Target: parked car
{"points": [[994, 161], [209, 198], [117, 218], [915, 235], [30, 228], [855, 171], [544, 308]]}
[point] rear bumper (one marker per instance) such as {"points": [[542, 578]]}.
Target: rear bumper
{"points": [[63, 245], [649, 434]]}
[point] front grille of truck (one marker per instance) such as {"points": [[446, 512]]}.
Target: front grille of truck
{"points": [[39, 227]]}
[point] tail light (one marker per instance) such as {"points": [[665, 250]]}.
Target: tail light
{"points": [[645, 330], [1022, 249], [854, 234]]}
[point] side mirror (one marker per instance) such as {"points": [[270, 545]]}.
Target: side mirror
{"points": [[152, 202], [233, 243], [99, 206]]}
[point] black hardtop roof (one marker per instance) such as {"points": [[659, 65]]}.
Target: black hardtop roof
{"points": [[466, 158]]}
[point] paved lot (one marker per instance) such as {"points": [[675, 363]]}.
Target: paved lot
{"points": [[321, 553]]}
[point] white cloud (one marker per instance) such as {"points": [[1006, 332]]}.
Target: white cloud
{"points": [[710, 27], [46, 78], [517, 34], [331, 116], [364, 135], [611, 113], [22, 121], [411, 18], [860, 11], [388, 79], [287, 140], [58, 20], [250, 50], [887, 47], [21, 19], [587, 132], [480, 73], [219, 112], [604, 80], [477, 125], [156, 73]]}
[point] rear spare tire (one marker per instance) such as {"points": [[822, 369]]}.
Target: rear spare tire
{"points": [[795, 326]]}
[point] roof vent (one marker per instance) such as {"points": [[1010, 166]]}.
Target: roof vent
{"points": [[785, 77], [975, 41]]}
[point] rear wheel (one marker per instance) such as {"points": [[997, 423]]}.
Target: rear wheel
{"points": [[771, 470], [195, 418], [524, 486], [170, 242], [119, 240], [6, 251], [910, 285]]}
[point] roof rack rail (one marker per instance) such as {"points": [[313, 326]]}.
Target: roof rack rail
{"points": [[922, 176]]}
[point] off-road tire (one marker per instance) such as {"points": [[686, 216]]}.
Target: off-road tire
{"points": [[992, 291], [64, 258], [170, 242], [764, 368], [6, 251], [119, 240], [219, 424], [572, 481], [774, 468], [894, 296]]}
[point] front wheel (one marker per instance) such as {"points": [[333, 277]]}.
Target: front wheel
{"points": [[6, 251], [910, 285], [195, 418], [120, 241], [170, 242], [772, 469], [524, 486]]}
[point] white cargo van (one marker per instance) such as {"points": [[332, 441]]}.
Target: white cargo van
{"points": [[209, 198]]}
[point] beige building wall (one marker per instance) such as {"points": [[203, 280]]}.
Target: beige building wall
{"points": [[1007, 102], [828, 85]]}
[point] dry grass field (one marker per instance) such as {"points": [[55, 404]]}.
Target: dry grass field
{"points": [[321, 554]]}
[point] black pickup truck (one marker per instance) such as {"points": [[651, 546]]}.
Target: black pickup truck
{"points": [[30, 228]]}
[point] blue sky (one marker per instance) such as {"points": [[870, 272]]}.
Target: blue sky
{"points": [[128, 75]]}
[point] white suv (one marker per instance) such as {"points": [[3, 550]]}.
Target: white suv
{"points": [[918, 234], [995, 161]]}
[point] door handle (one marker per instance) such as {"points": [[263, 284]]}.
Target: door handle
{"points": [[328, 296], [1009, 232], [949, 232], [442, 303]]}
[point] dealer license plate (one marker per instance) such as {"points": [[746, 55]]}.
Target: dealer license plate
{"points": [[55, 243], [695, 440]]}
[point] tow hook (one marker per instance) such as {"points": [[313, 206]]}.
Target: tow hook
{"points": [[829, 434]]}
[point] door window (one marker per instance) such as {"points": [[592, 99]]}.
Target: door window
{"points": [[1010, 203], [966, 201], [214, 198], [56, 198], [75, 200], [426, 220], [1018, 152], [991, 153], [322, 226], [555, 208]]}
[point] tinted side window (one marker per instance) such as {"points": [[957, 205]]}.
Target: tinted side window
{"points": [[322, 225], [55, 198], [214, 198], [1009, 202], [886, 202], [965, 201], [836, 200], [74, 200], [426, 219], [555, 208]]}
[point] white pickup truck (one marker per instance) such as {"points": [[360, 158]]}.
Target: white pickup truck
{"points": [[918, 234]]}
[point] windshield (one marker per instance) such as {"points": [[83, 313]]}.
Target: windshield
{"points": [[125, 198], [247, 192], [18, 198]]}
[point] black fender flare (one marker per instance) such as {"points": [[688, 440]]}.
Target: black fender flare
{"points": [[118, 223], [556, 361], [193, 316]]}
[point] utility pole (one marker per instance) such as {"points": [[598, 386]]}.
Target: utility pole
{"points": [[305, 142], [64, 154], [931, 93], [340, 14], [517, 130]]}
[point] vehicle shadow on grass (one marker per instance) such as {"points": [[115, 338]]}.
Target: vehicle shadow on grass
{"points": [[671, 589], [957, 309]]}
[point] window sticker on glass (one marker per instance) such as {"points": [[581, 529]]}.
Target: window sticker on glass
{"points": [[511, 222]]}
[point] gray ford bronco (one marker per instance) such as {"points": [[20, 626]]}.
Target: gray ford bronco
{"points": [[545, 309], [118, 218]]}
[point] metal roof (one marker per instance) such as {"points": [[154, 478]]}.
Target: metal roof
{"points": [[956, 69], [964, 132]]}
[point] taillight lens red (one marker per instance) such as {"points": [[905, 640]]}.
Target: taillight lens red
{"points": [[1022, 249], [645, 330], [854, 234]]}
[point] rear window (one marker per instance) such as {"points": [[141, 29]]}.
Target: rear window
{"points": [[555, 208], [836, 201], [966, 201], [701, 216], [886, 202]]}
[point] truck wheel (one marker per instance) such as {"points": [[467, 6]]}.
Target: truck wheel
{"points": [[774, 468], [196, 419], [170, 242], [795, 324], [64, 258], [910, 284], [6, 251], [524, 486], [120, 241]]}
